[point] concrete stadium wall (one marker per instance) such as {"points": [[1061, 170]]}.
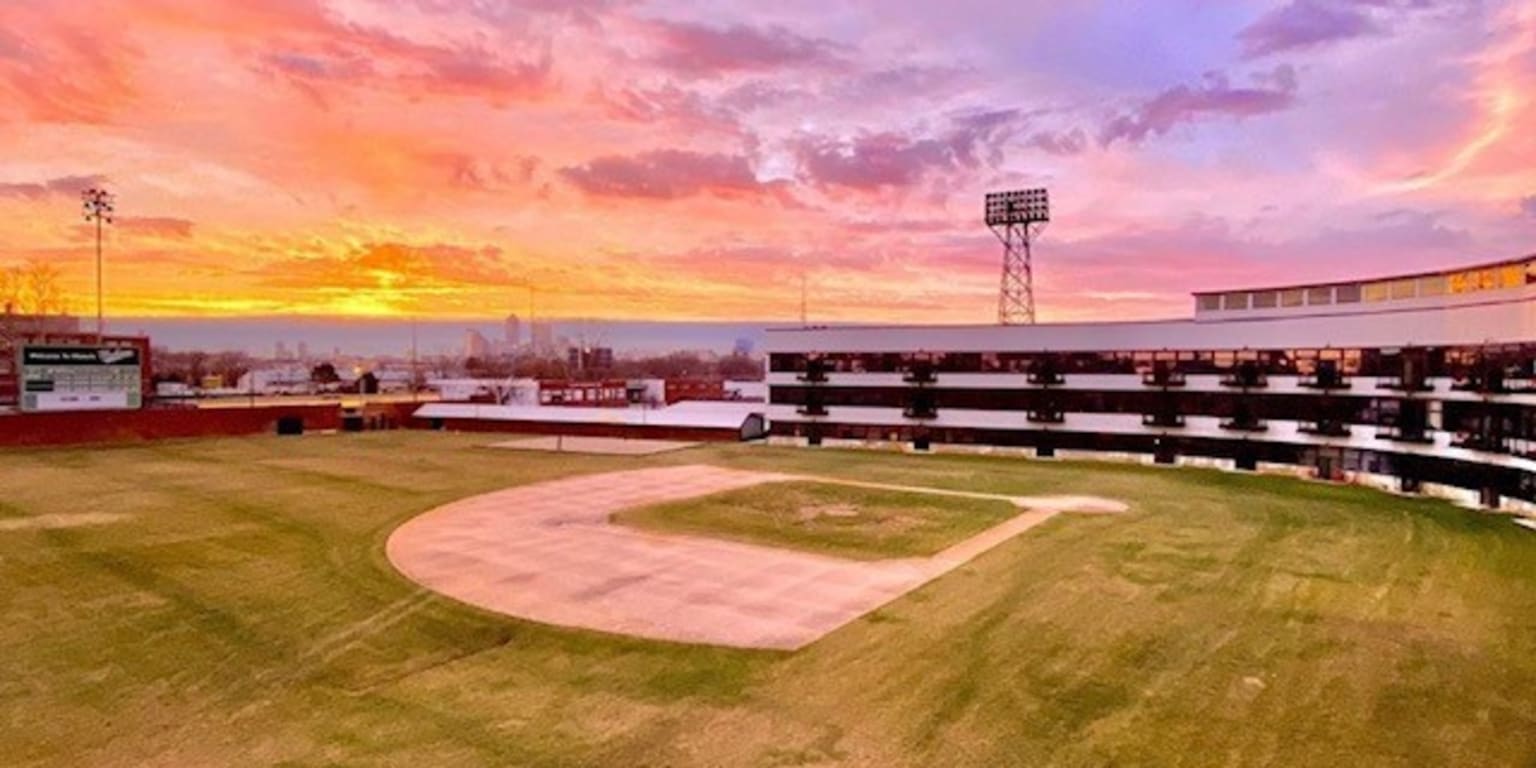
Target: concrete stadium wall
{"points": [[81, 427]]}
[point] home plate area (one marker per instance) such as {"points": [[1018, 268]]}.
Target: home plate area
{"points": [[547, 552]]}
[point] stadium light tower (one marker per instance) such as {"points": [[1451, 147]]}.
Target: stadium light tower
{"points": [[1017, 217], [97, 204]]}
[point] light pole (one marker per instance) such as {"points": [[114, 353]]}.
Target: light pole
{"points": [[97, 204]]}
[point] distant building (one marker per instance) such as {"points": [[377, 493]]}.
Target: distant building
{"points": [[589, 358], [606, 393], [288, 379], [512, 331], [280, 351], [303, 351], [475, 344], [679, 390], [743, 348], [541, 336]]}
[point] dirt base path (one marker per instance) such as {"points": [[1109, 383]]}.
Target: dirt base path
{"points": [[548, 553]]}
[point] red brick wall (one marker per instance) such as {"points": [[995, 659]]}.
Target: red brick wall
{"points": [[679, 390], [83, 427]]}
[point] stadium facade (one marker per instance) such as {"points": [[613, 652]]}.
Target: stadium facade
{"points": [[1426, 381]]}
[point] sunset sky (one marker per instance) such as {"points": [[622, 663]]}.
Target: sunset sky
{"points": [[691, 160]]}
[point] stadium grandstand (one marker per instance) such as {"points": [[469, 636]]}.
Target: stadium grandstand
{"points": [[1424, 382]]}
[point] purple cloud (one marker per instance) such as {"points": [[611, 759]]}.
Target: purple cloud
{"points": [[893, 159], [156, 226], [62, 185], [664, 174], [1304, 24], [1272, 92], [1060, 143], [699, 50]]}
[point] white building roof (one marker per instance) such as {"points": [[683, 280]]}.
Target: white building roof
{"points": [[709, 415], [1509, 317]]}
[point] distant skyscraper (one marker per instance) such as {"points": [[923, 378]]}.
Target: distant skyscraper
{"points": [[280, 351], [542, 336], [743, 348], [475, 344], [513, 333], [303, 351]]}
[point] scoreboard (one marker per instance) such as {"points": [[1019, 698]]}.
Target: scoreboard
{"points": [[80, 378]]}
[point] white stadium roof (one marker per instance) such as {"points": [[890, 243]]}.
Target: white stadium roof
{"points": [[692, 414], [1511, 318]]}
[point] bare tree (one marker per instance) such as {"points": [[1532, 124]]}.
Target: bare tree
{"points": [[31, 289]]}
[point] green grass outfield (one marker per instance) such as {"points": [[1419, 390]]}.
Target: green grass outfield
{"points": [[847, 521], [245, 615]]}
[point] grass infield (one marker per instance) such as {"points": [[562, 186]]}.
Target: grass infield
{"points": [[847, 521], [227, 602]]}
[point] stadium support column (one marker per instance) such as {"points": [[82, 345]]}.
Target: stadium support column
{"points": [[814, 407]]}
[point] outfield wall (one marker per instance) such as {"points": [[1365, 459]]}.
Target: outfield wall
{"points": [[78, 428]]}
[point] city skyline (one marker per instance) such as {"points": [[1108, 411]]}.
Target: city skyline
{"points": [[666, 161]]}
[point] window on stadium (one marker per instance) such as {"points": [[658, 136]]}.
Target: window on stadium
{"points": [[1320, 296], [1377, 291], [1404, 289], [1292, 297], [1265, 300], [1233, 301], [1347, 294], [1208, 302], [1433, 285]]}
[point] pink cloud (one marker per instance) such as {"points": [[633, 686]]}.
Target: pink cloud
{"points": [[67, 186], [895, 159], [1272, 92], [700, 50], [664, 174], [165, 227]]}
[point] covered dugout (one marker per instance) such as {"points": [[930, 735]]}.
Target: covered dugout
{"points": [[691, 421]]}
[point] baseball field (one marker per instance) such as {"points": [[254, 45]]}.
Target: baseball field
{"points": [[234, 602]]}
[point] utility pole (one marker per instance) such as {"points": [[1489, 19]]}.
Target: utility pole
{"points": [[415, 372], [98, 205], [804, 315]]}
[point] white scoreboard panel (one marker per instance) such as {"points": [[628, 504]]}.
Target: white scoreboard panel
{"points": [[76, 378]]}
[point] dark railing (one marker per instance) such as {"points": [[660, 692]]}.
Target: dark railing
{"points": [[1161, 376], [1047, 416], [1487, 381], [1246, 376], [815, 372], [1482, 442], [1326, 428], [921, 404], [1046, 377], [922, 373], [1327, 377], [1251, 425], [1163, 420]]}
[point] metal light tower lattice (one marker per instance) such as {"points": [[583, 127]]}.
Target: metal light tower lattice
{"points": [[98, 205], [1017, 218]]}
